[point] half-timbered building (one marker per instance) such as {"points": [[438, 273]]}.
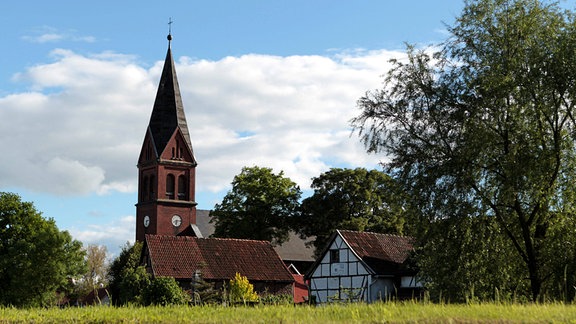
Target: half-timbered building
{"points": [[363, 266]]}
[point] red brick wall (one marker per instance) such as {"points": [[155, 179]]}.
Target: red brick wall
{"points": [[177, 161]]}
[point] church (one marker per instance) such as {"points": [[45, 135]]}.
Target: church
{"points": [[166, 209]]}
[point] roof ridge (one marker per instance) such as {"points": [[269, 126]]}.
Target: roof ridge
{"points": [[207, 238], [385, 234], [235, 239]]}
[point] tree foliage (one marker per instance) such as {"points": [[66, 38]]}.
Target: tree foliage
{"points": [[204, 293], [485, 127], [36, 259], [352, 199], [97, 270], [128, 279], [241, 290], [469, 259], [260, 206], [164, 291]]}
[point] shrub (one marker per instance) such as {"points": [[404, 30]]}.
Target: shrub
{"points": [[280, 299], [204, 293], [241, 290], [164, 291]]}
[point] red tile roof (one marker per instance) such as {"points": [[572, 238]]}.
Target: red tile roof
{"points": [[385, 247], [217, 259]]}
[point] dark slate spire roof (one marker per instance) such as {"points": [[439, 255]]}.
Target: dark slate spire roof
{"points": [[168, 112]]}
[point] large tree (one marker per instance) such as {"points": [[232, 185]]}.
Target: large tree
{"points": [[261, 206], [467, 258], [486, 125], [352, 199], [36, 259]]}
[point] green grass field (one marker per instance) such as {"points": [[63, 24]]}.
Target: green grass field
{"points": [[355, 313]]}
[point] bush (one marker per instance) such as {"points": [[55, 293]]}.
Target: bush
{"points": [[280, 299], [126, 280], [204, 293], [133, 284], [241, 290], [164, 291]]}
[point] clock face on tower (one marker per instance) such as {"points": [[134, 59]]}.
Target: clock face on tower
{"points": [[146, 221], [176, 220]]}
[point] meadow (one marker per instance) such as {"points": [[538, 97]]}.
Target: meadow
{"points": [[354, 313]]}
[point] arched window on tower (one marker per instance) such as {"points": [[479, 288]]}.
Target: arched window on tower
{"points": [[144, 190], [170, 186], [182, 190], [151, 185]]}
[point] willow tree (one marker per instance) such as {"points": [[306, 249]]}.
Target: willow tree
{"points": [[485, 126]]}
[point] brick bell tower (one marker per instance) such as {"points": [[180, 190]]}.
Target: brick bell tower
{"points": [[166, 166]]}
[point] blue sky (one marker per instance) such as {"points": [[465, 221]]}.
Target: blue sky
{"points": [[267, 83]]}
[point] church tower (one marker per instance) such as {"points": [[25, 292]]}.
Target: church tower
{"points": [[166, 166]]}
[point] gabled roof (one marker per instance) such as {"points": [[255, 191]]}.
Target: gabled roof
{"points": [[217, 259], [168, 112], [382, 253], [384, 247]]}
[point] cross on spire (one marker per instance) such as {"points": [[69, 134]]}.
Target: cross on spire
{"points": [[170, 29]]}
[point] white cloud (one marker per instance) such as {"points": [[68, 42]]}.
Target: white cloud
{"points": [[47, 34], [76, 131], [45, 38], [63, 176], [80, 127], [113, 235]]}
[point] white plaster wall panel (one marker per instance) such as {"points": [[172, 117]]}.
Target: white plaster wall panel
{"points": [[325, 269], [325, 258], [317, 272], [333, 283], [358, 281], [337, 242], [321, 296], [346, 282], [319, 283], [344, 255], [353, 268], [345, 269], [338, 269], [362, 270], [352, 257], [333, 293]]}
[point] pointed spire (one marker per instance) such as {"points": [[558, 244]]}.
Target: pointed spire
{"points": [[168, 112]]}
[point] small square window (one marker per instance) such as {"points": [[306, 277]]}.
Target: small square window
{"points": [[334, 256]]}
